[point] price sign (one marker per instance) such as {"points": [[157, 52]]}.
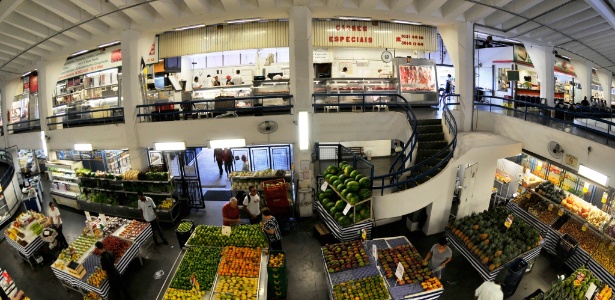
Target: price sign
{"points": [[226, 230], [195, 283], [103, 218], [375, 252], [509, 221], [550, 207], [347, 209], [560, 212], [399, 272], [603, 200], [324, 186], [590, 291], [87, 216], [584, 227]]}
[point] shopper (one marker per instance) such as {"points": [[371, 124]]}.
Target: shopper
{"points": [[449, 84], [227, 156], [439, 255], [230, 213], [272, 229], [252, 205], [117, 290], [237, 79], [219, 158], [147, 207], [491, 290], [246, 164], [56, 222], [196, 84]]}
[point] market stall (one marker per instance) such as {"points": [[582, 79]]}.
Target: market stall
{"points": [[77, 267], [8, 287], [480, 238], [580, 284], [24, 234]]}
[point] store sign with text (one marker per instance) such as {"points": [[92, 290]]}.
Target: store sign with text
{"points": [[94, 61], [151, 57], [374, 35]]}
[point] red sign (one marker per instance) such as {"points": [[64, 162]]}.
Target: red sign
{"points": [[342, 38], [33, 83], [410, 40]]}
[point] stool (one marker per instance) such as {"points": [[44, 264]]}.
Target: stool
{"points": [[385, 107], [330, 107]]}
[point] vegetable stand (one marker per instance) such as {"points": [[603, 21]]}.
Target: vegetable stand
{"points": [[348, 233], [91, 261], [23, 234]]}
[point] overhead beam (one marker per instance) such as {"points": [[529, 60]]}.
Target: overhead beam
{"points": [[142, 14], [39, 14], [566, 23], [266, 3], [604, 10], [231, 5], [7, 7], [197, 7], [166, 8], [454, 8], [428, 7]]}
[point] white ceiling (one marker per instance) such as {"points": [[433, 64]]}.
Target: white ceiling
{"points": [[33, 30]]}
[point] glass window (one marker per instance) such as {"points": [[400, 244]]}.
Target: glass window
{"points": [[232, 59], [214, 60]]}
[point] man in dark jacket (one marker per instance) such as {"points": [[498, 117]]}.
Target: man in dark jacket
{"points": [[117, 290]]}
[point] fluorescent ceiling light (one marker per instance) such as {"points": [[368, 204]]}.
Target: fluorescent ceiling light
{"points": [[189, 27], [355, 18], [83, 147], [230, 143], [242, 20], [406, 22], [79, 52], [108, 44], [512, 41], [26, 74], [593, 175], [172, 146], [566, 57], [304, 131]]}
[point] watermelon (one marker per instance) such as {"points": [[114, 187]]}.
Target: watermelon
{"points": [[352, 198], [342, 164], [364, 213], [340, 187], [343, 177], [340, 204], [348, 170], [325, 201], [332, 169], [354, 173], [365, 183], [327, 176], [335, 183], [329, 205], [358, 177], [332, 178], [333, 210], [344, 221], [353, 186], [348, 180], [321, 195], [350, 216], [338, 215], [365, 193], [344, 192], [329, 193]]}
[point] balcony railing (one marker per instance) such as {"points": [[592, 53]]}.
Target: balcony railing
{"points": [[327, 102], [86, 118], [218, 108], [24, 126]]}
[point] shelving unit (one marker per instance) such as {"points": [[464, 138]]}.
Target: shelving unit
{"points": [[64, 181]]}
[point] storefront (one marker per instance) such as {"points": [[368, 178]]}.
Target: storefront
{"points": [[24, 112]]}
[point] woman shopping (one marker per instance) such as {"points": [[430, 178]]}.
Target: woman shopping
{"points": [[439, 255]]}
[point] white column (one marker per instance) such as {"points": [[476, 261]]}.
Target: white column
{"points": [[606, 80], [4, 102], [131, 93], [459, 41], [583, 69], [544, 63], [302, 75]]}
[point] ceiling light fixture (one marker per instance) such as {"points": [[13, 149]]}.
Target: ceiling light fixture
{"points": [[79, 52], [108, 44], [406, 22], [26, 74], [243, 20], [189, 27], [355, 18]]}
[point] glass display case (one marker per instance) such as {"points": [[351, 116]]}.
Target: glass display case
{"points": [[271, 87], [320, 86], [418, 81], [222, 93], [356, 85]]}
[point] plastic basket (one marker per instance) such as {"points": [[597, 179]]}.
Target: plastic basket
{"points": [[182, 237], [566, 246]]}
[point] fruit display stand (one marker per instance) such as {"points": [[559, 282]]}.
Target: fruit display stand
{"points": [[602, 262], [26, 240], [414, 290], [8, 287], [362, 267], [135, 238], [580, 284], [479, 238], [348, 233], [241, 181]]}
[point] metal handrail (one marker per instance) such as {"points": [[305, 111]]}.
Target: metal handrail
{"points": [[405, 106], [546, 114], [117, 116], [32, 125], [147, 110]]}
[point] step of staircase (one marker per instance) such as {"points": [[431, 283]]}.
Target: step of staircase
{"points": [[432, 144], [426, 137], [429, 129], [429, 122]]}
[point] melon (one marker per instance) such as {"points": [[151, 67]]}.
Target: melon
{"points": [[354, 173], [344, 221], [325, 201], [353, 186], [348, 170], [352, 198], [327, 176], [329, 205], [365, 183], [365, 213], [342, 164], [332, 169], [348, 180], [340, 204], [321, 195], [333, 178], [358, 177], [338, 215], [365, 193], [329, 193], [340, 187], [343, 177], [344, 192], [333, 210]]}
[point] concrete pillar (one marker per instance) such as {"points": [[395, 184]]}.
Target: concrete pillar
{"points": [[132, 41], [606, 80], [583, 68], [544, 63], [459, 41], [302, 74], [4, 110]]}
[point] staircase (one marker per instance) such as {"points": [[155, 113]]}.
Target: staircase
{"points": [[431, 141]]}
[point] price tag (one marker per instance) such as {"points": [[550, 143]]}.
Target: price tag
{"points": [[603, 200], [226, 230], [103, 219], [399, 272], [324, 186], [560, 212], [375, 252], [550, 207], [509, 221], [584, 227], [347, 209], [195, 283], [590, 291]]}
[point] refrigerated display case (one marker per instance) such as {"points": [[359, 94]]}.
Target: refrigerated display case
{"points": [[271, 87], [418, 81]]}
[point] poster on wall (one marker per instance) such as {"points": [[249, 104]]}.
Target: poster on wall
{"points": [[151, 57], [420, 78], [33, 82], [520, 55], [564, 66], [98, 60], [15, 112]]}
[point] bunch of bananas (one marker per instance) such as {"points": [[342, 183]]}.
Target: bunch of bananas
{"points": [[130, 175], [166, 203]]}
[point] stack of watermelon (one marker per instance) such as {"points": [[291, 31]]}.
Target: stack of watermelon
{"points": [[353, 187]]}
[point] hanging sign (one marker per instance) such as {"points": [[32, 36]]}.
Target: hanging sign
{"points": [[94, 61], [151, 57], [509, 221], [375, 252]]}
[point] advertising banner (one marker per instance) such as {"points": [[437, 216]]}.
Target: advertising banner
{"points": [[99, 60]]}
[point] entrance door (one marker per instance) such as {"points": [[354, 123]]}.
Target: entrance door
{"points": [[188, 182]]}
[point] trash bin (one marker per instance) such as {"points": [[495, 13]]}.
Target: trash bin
{"points": [[515, 270], [184, 235]]}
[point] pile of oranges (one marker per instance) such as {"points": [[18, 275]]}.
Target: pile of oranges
{"points": [[431, 284], [240, 261], [97, 278], [276, 260]]}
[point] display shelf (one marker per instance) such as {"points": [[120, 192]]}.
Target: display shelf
{"points": [[65, 194], [64, 177], [128, 192], [122, 180], [65, 182], [349, 233]]}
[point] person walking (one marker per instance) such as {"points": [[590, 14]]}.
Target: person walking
{"points": [[56, 222], [252, 205], [272, 229], [491, 290], [117, 290], [449, 84], [439, 255], [246, 164], [230, 213], [147, 207], [219, 158], [227, 156]]}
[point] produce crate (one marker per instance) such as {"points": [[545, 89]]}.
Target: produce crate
{"points": [[566, 246], [182, 237]]}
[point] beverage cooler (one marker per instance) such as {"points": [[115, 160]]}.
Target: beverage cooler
{"points": [[418, 81]]}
